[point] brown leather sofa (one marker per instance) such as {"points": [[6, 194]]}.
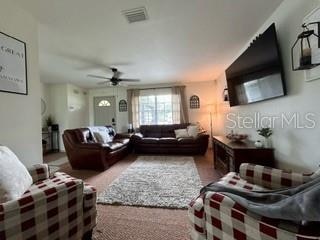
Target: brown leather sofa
{"points": [[84, 153], [161, 139]]}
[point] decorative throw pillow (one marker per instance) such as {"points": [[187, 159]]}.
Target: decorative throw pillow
{"points": [[193, 131], [94, 129], [181, 133], [15, 179], [102, 137]]}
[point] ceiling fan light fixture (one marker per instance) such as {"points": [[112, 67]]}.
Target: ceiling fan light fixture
{"points": [[114, 80]]}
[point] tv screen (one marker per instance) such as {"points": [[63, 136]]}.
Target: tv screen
{"points": [[257, 74]]}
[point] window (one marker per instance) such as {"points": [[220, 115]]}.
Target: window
{"points": [[158, 106], [104, 103]]}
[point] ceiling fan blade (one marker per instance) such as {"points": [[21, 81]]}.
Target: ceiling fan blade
{"points": [[96, 76], [103, 83], [129, 80]]}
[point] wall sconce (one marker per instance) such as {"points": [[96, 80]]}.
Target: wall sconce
{"points": [[305, 54], [225, 95]]}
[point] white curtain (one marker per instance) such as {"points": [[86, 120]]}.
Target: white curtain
{"points": [[133, 107], [179, 102]]}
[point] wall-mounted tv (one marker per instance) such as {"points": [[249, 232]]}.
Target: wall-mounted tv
{"points": [[257, 75]]}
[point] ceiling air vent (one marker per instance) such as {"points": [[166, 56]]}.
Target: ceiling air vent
{"points": [[136, 14]]}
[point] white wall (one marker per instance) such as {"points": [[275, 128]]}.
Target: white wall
{"points": [[206, 92], [296, 149], [58, 104], [120, 93], [68, 106], [78, 110], [20, 121], [45, 94]]}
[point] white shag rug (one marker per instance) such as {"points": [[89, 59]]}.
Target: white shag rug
{"points": [[155, 181]]}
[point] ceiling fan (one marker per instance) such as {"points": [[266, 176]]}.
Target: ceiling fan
{"points": [[115, 79]]}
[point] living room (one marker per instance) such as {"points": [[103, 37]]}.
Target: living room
{"points": [[86, 66]]}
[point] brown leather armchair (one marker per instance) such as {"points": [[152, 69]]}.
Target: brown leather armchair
{"points": [[84, 153], [161, 139]]}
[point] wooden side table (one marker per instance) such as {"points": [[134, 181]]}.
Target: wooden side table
{"points": [[228, 155]]}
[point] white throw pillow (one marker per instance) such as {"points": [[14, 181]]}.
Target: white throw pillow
{"points": [[96, 129], [15, 179], [181, 133], [102, 137], [193, 131]]}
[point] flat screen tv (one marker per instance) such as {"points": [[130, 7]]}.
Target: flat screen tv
{"points": [[257, 75]]}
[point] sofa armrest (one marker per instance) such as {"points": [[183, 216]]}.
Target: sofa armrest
{"points": [[202, 140], [67, 195], [84, 145], [202, 137], [225, 212], [196, 217], [90, 199], [39, 172], [137, 137], [271, 177], [122, 135], [225, 217]]}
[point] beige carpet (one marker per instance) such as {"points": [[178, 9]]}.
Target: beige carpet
{"points": [[55, 161], [155, 181], [139, 223]]}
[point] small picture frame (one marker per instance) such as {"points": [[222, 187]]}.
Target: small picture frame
{"points": [[13, 65], [194, 102], [123, 106]]}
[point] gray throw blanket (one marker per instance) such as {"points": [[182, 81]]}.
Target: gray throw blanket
{"points": [[301, 203]]}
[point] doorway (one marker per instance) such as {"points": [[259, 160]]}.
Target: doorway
{"points": [[104, 111]]}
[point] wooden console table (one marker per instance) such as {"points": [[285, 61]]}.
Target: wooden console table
{"points": [[228, 155]]}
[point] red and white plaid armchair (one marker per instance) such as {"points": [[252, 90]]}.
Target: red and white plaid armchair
{"points": [[56, 207], [214, 216]]}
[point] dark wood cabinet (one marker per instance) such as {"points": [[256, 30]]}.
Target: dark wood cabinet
{"points": [[228, 155]]}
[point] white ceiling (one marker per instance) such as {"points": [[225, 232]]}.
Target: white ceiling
{"points": [[183, 40]]}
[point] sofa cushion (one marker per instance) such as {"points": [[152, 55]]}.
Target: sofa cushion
{"points": [[168, 141], [162, 139], [115, 145], [187, 140], [150, 131], [150, 140], [159, 131], [14, 176], [124, 141], [181, 133]]}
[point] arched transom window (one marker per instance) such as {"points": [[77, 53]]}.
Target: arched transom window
{"points": [[104, 103]]}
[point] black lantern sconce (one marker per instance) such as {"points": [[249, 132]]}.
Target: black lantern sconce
{"points": [[305, 59], [225, 95]]}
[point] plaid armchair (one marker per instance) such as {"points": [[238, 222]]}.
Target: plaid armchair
{"points": [[56, 207], [215, 216]]}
